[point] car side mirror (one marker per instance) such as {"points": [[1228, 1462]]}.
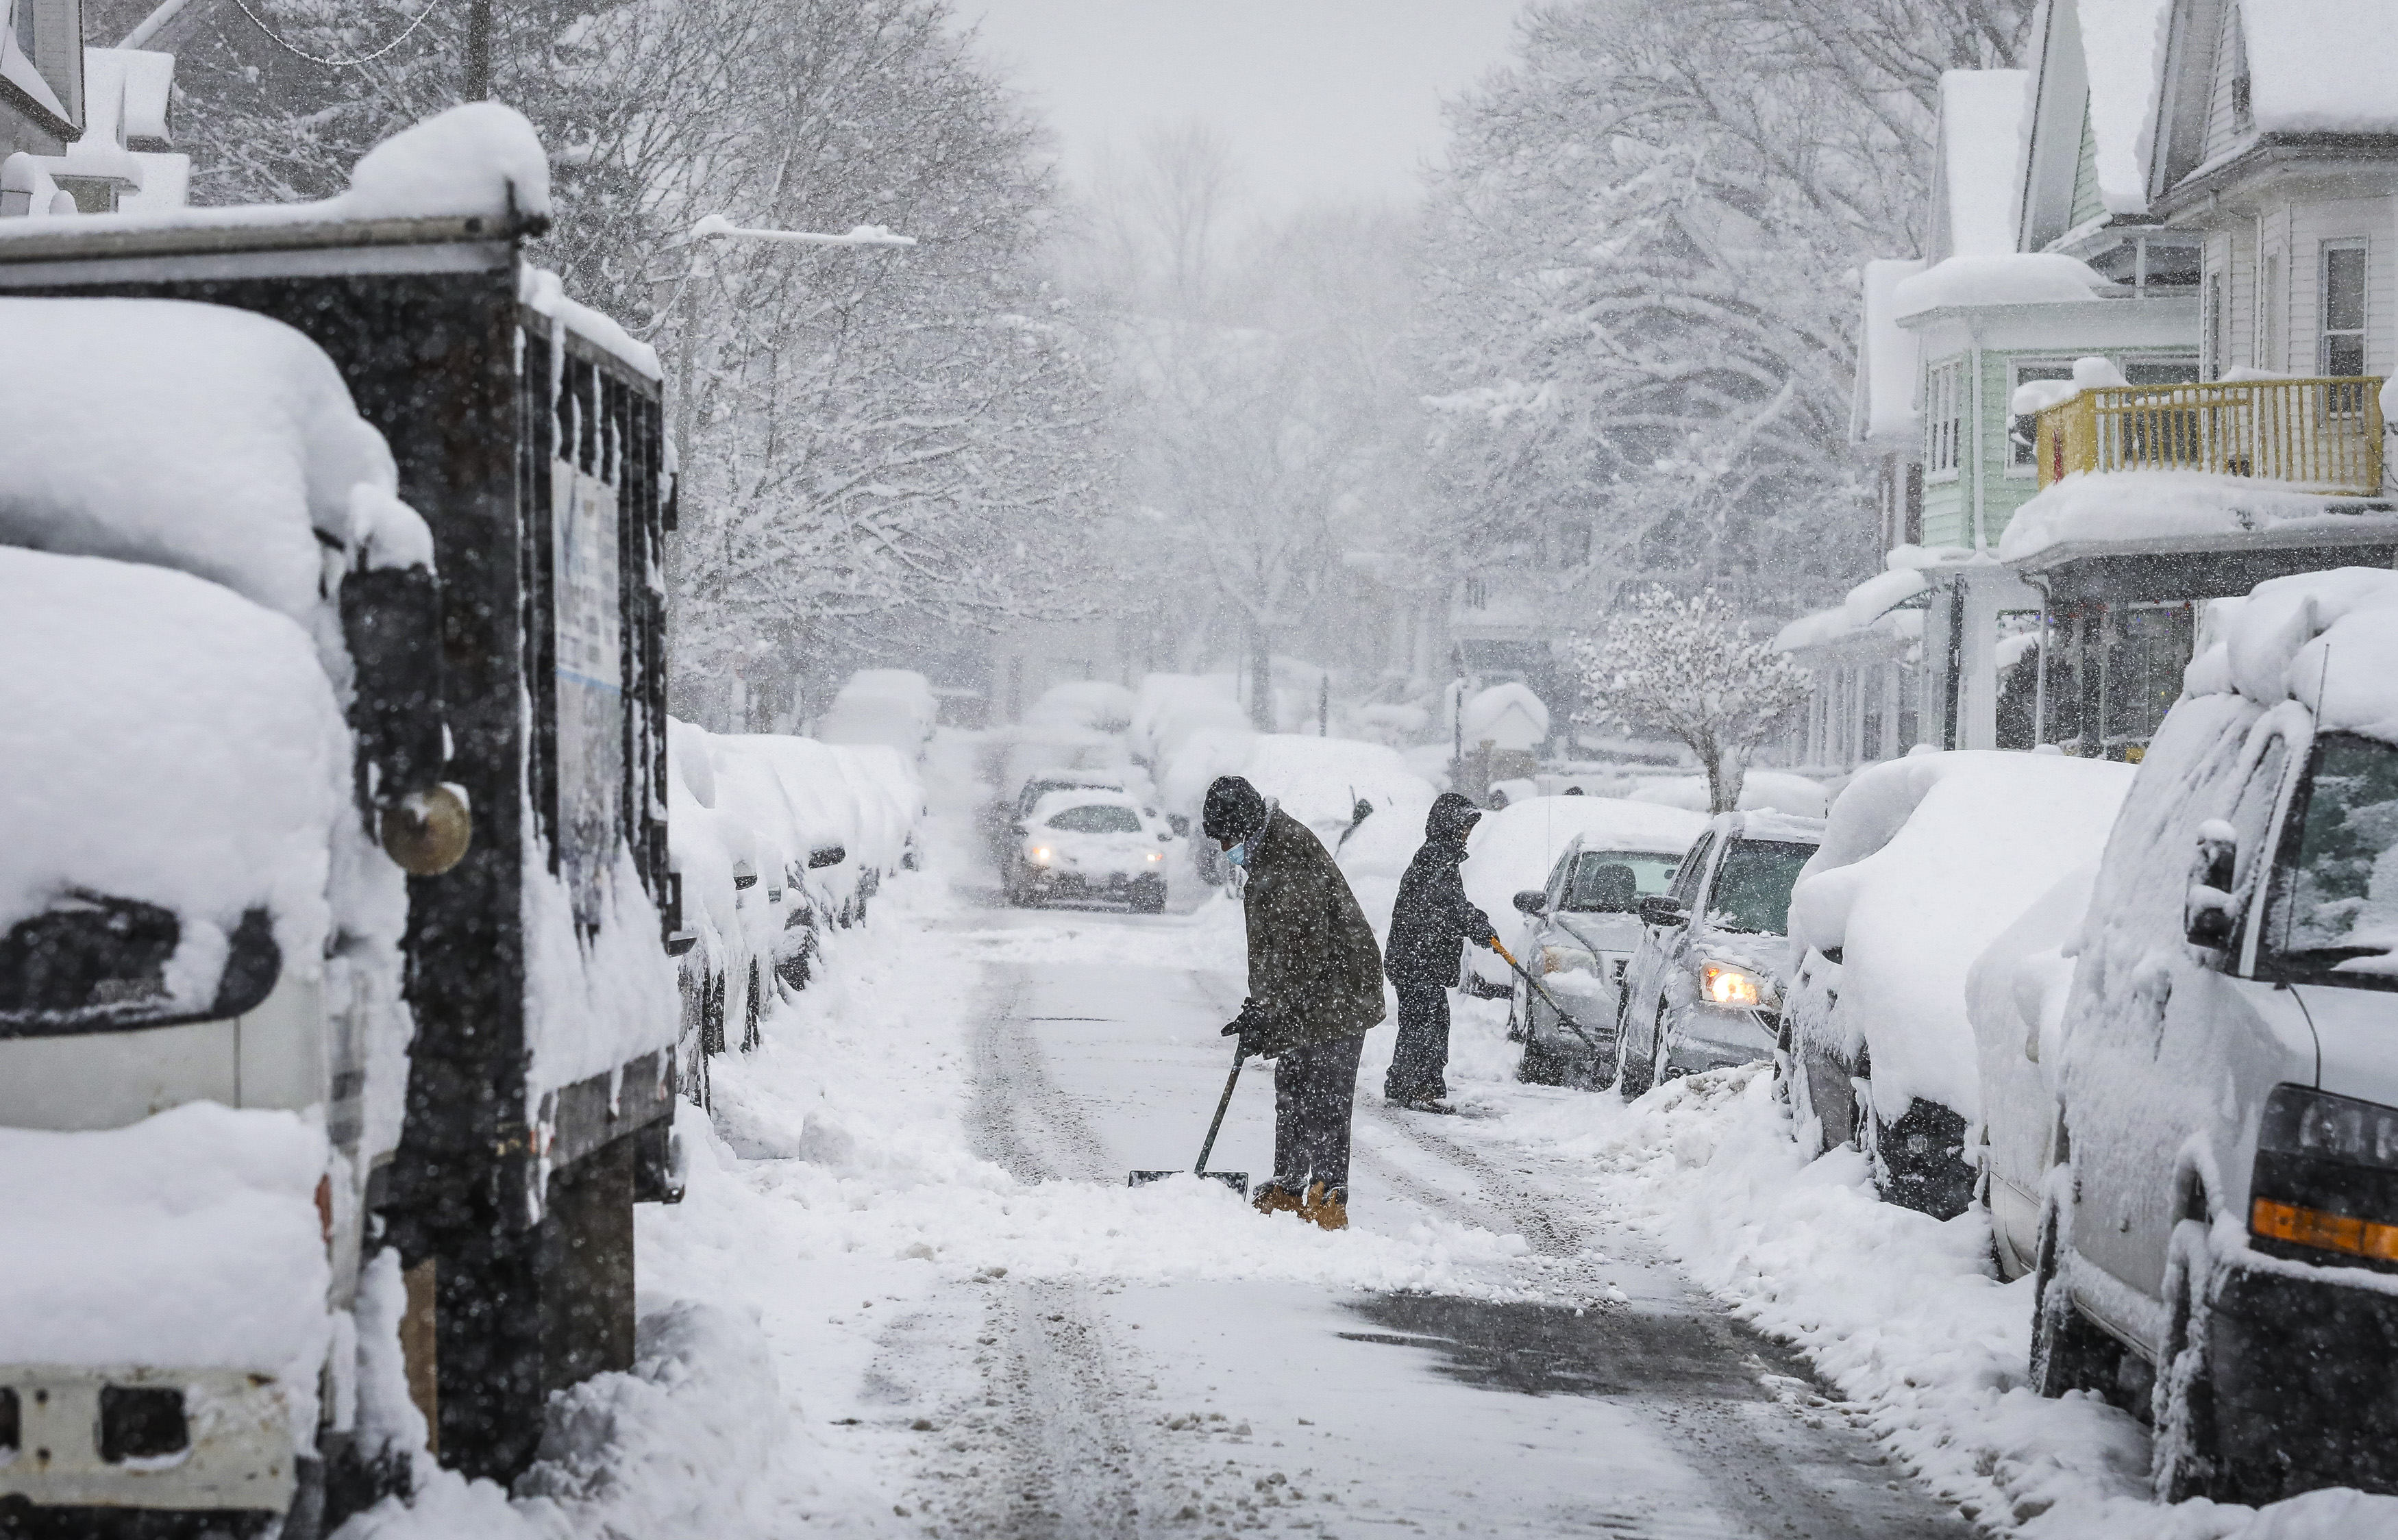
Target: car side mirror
{"points": [[2206, 912], [1663, 909], [828, 855], [1532, 900], [743, 875]]}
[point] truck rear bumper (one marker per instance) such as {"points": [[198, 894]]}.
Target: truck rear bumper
{"points": [[145, 1440]]}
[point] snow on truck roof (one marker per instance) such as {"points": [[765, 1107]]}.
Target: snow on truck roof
{"points": [[195, 437], [175, 744], [2324, 639]]}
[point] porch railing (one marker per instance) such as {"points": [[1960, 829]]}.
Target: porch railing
{"points": [[2314, 435]]}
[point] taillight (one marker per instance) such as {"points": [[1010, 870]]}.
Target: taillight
{"points": [[2326, 1176]]}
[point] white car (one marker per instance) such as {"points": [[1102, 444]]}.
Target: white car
{"points": [[1924, 862], [1578, 934], [1518, 848], [1081, 843], [2221, 1229]]}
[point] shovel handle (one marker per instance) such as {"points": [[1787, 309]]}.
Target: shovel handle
{"points": [[1221, 1103], [1563, 1014]]}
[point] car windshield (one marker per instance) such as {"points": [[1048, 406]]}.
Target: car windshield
{"points": [[2336, 894], [1752, 886], [1613, 882], [1096, 818]]}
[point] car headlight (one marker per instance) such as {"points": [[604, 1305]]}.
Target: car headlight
{"points": [[1567, 959], [1735, 988], [1041, 855], [1156, 855]]}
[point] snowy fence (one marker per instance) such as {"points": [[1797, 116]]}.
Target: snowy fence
{"points": [[2324, 435]]}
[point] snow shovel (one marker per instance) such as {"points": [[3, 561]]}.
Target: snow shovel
{"points": [[1563, 1014], [1236, 1179]]}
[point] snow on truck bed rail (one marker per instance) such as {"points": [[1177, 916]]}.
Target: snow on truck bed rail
{"points": [[2324, 639]]}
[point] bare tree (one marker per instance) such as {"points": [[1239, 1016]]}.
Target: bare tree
{"points": [[1687, 668]]}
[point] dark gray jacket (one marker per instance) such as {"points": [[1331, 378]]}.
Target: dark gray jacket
{"points": [[1312, 962], [1433, 916]]}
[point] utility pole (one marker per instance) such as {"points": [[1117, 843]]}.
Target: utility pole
{"points": [[479, 50]]}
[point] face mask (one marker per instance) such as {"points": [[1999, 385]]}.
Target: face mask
{"points": [[1239, 855]]}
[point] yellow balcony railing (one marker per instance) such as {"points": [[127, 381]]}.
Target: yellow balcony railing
{"points": [[2314, 435]]}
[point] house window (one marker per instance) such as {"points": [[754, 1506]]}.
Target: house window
{"points": [[2023, 433], [1477, 593], [2213, 337], [2340, 354], [2170, 370], [1944, 406]]}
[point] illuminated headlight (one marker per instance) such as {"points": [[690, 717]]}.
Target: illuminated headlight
{"points": [[1567, 959], [1721, 984], [1156, 855], [1041, 855]]}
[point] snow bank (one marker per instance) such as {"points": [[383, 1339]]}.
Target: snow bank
{"points": [[167, 742], [190, 1239], [2014, 278], [1924, 861], [1761, 791], [1092, 706], [1172, 710], [2157, 505], [194, 436], [1320, 780]]}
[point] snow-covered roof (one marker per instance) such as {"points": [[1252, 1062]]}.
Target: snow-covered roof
{"points": [[2144, 509], [478, 160], [1508, 715], [1866, 603], [544, 293], [1985, 121], [2322, 66], [195, 436], [1882, 414], [2327, 640], [2123, 60], [2007, 278]]}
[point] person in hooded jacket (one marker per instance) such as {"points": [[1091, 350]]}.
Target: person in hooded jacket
{"points": [[1429, 923], [1315, 986]]}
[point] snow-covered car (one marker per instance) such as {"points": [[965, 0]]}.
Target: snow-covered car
{"points": [[1704, 987], [1518, 848], [1578, 934], [1925, 860], [894, 707], [1091, 843], [2224, 1226]]}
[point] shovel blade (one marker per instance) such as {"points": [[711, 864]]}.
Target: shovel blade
{"points": [[1236, 1179]]}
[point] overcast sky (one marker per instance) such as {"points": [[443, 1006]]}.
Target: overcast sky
{"points": [[1316, 96]]}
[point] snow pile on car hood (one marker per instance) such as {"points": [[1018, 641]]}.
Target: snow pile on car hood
{"points": [[2323, 639], [1925, 860], [194, 436], [190, 1239], [166, 742]]}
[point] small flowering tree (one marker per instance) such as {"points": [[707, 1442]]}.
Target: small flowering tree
{"points": [[1687, 669]]}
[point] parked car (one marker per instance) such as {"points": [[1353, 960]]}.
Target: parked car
{"points": [[1924, 862], [2224, 1231], [1080, 843], [1705, 986], [1579, 933], [894, 707], [1518, 847]]}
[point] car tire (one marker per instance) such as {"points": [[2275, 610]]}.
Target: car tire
{"points": [[2067, 1351], [2187, 1455], [1633, 1076], [1540, 1066]]}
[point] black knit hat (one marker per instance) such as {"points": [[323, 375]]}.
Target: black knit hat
{"points": [[1234, 811]]}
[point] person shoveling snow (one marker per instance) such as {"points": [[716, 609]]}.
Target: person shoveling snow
{"points": [[1431, 920], [1315, 986]]}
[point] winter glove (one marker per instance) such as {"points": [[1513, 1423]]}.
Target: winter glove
{"points": [[1259, 1029]]}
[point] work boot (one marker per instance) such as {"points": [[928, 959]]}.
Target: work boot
{"points": [[1328, 1210], [1271, 1200]]}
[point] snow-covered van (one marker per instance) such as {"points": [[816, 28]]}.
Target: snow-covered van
{"points": [[2220, 1232], [1924, 861], [322, 527]]}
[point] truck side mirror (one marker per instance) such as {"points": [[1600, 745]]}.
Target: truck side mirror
{"points": [[2206, 913], [743, 875], [1663, 909], [1532, 900]]}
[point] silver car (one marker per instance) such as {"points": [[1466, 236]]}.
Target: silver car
{"points": [[1579, 936], [1704, 988]]}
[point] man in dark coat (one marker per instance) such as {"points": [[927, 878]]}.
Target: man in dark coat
{"points": [[1431, 920], [1315, 986]]}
